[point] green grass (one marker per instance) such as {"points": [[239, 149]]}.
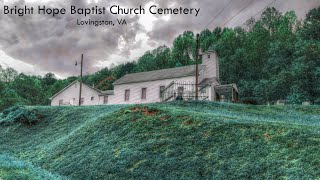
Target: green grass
{"points": [[166, 141], [11, 168]]}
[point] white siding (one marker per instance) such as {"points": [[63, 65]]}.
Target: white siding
{"points": [[101, 99], [153, 90], [211, 70], [71, 94], [212, 65]]}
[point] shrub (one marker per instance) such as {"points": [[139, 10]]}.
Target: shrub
{"points": [[250, 100], [20, 114], [297, 98]]}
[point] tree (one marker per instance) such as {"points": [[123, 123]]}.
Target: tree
{"points": [[121, 70], [206, 40], [270, 19], [2, 86], [184, 48], [10, 97], [49, 79], [311, 25], [30, 88], [146, 62], [106, 84], [162, 57], [8, 74]]}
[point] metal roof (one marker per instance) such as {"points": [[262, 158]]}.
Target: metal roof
{"points": [[108, 92], [227, 88], [158, 75]]}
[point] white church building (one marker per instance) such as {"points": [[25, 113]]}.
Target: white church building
{"points": [[155, 86]]}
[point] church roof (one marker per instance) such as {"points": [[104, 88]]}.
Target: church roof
{"points": [[158, 75]]}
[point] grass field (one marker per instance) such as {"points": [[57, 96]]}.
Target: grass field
{"points": [[161, 141]]}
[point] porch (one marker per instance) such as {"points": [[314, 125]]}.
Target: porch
{"points": [[185, 91]]}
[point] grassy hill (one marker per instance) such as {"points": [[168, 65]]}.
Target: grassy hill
{"points": [[12, 168], [161, 141]]}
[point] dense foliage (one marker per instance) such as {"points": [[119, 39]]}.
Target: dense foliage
{"points": [[276, 57], [181, 140]]}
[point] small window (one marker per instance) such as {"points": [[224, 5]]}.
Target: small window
{"points": [[75, 85], [208, 56], [60, 102], [105, 100], [92, 98], [127, 95], [82, 101], [144, 93], [160, 91]]}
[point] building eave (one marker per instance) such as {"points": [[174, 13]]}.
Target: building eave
{"points": [[119, 81], [153, 80], [63, 89], [94, 89], [234, 86]]}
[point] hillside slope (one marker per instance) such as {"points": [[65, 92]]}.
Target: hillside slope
{"points": [[11, 168], [166, 141]]}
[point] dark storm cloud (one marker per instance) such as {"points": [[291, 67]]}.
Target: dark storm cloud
{"points": [[54, 43]]}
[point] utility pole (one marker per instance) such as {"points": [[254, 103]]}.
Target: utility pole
{"points": [[81, 65], [197, 66]]}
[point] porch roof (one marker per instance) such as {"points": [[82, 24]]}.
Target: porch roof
{"points": [[226, 89]]}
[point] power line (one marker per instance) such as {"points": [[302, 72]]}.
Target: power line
{"points": [[265, 8], [218, 14], [262, 10], [236, 14]]}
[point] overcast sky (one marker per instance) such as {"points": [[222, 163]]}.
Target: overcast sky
{"points": [[37, 44]]}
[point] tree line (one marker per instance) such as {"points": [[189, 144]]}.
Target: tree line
{"points": [[275, 57]]}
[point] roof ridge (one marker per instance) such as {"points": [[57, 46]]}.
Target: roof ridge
{"points": [[163, 69], [158, 74], [75, 81]]}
